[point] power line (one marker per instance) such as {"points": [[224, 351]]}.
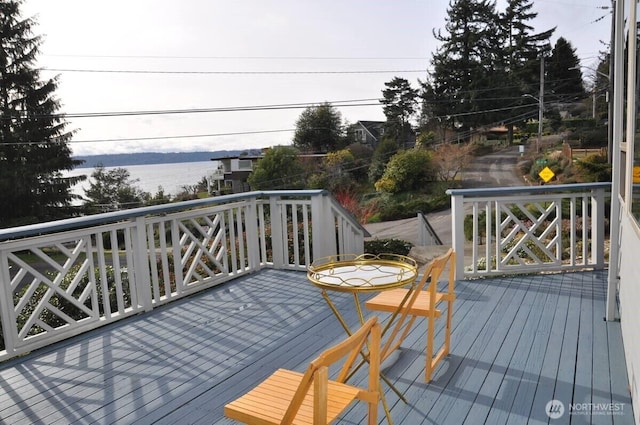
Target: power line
{"points": [[184, 136], [134, 71], [283, 106], [462, 114], [189, 136], [242, 57], [339, 103]]}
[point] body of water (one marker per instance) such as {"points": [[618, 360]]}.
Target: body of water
{"points": [[170, 176]]}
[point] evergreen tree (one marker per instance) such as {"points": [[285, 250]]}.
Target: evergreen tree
{"points": [[487, 62], [465, 66], [399, 105], [34, 146], [523, 50], [319, 129], [564, 77]]}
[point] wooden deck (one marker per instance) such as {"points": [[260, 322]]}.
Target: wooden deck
{"points": [[517, 343]]}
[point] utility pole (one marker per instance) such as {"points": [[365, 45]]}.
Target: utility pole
{"points": [[540, 104]]}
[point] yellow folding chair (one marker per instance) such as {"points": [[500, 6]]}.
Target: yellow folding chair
{"points": [[421, 300], [311, 398]]}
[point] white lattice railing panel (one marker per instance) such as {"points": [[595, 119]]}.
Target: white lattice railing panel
{"points": [[62, 278], [528, 229], [64, 295], [198, 248], [209, 245], [57, 286], [529, 234]]}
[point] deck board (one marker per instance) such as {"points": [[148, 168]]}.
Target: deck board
{"points": [[517, 342], [427, 395], [475, 372], [521, 406], [546, 381]]}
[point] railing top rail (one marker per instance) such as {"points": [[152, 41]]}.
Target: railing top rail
{"points": [[500, 191], [110, 217]]}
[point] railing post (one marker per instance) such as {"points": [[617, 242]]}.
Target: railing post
{"points": [[597, 227], [278, 238], [253, 235], [8, 319], [323, 233], [457, 232], [142, 256]]}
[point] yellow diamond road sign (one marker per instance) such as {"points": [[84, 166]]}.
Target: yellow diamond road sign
{"points": [[546, 174]]}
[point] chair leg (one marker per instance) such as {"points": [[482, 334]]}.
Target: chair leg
{"points": [[373, 414], [431, 324], [447, 335]]}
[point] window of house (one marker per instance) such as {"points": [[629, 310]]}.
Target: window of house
{"points": [[244, 164], [359, 134]]}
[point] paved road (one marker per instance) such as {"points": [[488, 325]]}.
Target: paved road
{"points": [[494, 170]]}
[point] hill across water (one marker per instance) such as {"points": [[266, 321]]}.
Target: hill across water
{"points": [[146, 158]]}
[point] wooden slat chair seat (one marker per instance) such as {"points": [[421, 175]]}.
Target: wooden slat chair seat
{"points": [[288, 397], [420, 300]]}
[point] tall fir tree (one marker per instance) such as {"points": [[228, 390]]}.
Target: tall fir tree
{"points": [[399, 102], [34, 147], [487, 62], [523, 51], [564, 77], [465, 65]]}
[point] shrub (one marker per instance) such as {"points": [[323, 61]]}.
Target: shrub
{"points": [[468, 226], [594, 168], [387, 246]]}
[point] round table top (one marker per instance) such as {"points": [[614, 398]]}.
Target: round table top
{"points": [[366, 272]]}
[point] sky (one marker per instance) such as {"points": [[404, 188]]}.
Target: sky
{"points": [[267, 59]]}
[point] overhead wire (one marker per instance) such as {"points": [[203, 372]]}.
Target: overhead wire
{"points": [[241, 57], [510, 107], [340, 103], [141, 71]]}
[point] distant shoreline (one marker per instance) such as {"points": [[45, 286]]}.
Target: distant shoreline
{"points": [[149, 158]]}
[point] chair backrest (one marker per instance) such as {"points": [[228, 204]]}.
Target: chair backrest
{"points": [[434, 270], [317, 372], [428, 282]]}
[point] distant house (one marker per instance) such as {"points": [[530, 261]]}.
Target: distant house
{"points": [[232, 173], [368, 132], [489, 133]]}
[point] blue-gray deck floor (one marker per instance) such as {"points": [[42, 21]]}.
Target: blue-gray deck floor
{"points": [[517, 343]]}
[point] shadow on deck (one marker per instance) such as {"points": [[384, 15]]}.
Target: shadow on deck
{"points": [[517, 343]]}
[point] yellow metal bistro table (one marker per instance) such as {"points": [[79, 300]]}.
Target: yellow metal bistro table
{"points": [[356, 274]]}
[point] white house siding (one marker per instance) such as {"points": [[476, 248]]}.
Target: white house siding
{"points": [[629, 305]]}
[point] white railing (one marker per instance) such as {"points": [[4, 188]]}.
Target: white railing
{"points": [[63, 278], [528, 229], [427, 235]]}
